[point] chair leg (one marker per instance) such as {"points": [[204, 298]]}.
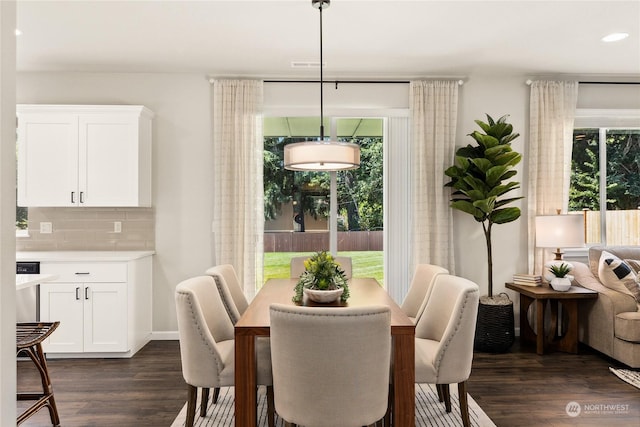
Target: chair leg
{"points": [[446, 396], [204, 401], [271, 411], [439, 390], [191, 405], [288, 424], [464, 404], [216, 393]]}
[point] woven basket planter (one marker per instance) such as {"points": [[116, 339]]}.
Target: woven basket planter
{"points": [[495, 326]]}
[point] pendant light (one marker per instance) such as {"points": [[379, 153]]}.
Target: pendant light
{"points": [[321, 155]]}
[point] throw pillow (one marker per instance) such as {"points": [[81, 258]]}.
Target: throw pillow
{"points": [[613, 272], [635, 264], [634, 287]]}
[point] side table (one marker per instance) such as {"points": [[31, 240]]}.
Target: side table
{"points": [[539, 295]]}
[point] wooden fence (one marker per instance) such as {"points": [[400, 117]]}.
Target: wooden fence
{"points": [[623, 227], [312, 241]]}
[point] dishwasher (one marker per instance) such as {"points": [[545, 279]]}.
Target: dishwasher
{"points": [[27, 300]]}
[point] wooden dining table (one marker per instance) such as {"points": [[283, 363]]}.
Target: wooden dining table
{"points": [[364, 292]]}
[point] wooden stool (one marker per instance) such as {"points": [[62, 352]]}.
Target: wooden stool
{"points": [[29, 337]]}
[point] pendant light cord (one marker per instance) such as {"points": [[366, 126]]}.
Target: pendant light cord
{"points": [[321, 80]]}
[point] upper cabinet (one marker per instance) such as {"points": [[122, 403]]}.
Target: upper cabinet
{"points": [[84, 155]]}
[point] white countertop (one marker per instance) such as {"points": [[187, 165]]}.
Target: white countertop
{"points": [[24, 281], [44, 256]]}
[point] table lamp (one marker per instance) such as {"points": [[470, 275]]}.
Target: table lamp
{"points": [[559, 231]]}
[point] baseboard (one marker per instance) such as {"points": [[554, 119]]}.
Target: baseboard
{"points": [[164, 335]]}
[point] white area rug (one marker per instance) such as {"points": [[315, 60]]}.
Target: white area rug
{"points": [[429, 412], [628, 376]]}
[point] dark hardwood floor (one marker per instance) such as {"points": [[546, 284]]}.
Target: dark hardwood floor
{"points": [[518, 388]]}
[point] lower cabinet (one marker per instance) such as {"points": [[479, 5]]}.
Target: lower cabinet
{"points": [[93, 316], [104, 308]]}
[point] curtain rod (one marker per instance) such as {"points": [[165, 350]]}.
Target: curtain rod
{"points": [[337, 82], [528, 82]]}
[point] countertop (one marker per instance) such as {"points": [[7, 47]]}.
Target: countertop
{"points": [[88, 256], [24, 281]]}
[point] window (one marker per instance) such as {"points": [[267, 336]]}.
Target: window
{"points": [[605, 179], [297, 204]]}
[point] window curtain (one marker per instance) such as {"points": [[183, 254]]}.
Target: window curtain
{"points": [[238, 220], [434, 112], [552, 109]]}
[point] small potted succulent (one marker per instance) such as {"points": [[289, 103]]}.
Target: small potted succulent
{"points": [[322, 281], [561, 280]]}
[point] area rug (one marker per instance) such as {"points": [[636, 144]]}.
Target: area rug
{"points": [[628, 376], [429, 412]]}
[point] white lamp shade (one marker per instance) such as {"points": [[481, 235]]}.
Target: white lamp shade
{"points": [[321, 156], [560, 231]]}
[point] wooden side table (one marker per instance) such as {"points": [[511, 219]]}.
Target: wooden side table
{"points": [[539, 295]]}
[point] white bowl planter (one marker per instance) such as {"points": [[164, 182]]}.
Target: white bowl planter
{"points": [[318, 295], [561, 284]]}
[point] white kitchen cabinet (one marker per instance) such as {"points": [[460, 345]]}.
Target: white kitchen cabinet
{"points": [[104, 308], [80, 155]]}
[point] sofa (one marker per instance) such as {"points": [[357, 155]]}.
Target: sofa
{"points": [[611, 323]]}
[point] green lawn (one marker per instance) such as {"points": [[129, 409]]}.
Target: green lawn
{"points": [[364, 264]]}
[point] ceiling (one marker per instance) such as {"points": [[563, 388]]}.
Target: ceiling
{"points": [[362, 39]]}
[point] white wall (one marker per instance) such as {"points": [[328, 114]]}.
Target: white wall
{"points": [[182, 163], [7, 214]]}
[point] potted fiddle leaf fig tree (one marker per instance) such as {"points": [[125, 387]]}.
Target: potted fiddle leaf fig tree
{"points": [[480, 182]]}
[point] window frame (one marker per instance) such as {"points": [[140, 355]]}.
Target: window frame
{"points": [[604, 120]]}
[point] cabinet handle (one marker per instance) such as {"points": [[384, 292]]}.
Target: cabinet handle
{"points": [[82, 272], [77, 293], [73, 197], [82, 197], [86, 293]]}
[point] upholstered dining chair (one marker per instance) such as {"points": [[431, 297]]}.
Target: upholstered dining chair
{"points": [[230, 290], [444, 338], [207, 344], [416, 298], [297, 265], [330, 364]]}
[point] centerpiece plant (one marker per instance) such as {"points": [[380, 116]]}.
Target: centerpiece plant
{"points": [[322, 272]]}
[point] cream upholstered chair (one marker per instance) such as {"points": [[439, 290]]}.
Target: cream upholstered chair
{"points": [[416, 298], [207, 343], [234, 302], [297, 265], [330, 364], [230, 290], [444, 338]]}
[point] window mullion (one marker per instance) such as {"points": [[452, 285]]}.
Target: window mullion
{"points": [[602, 155]]}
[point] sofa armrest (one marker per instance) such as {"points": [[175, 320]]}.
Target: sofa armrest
{"points": [[617, 302]]}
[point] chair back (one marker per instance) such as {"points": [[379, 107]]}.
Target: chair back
{"points": [[206, 333], [449, 320], [330, 364], [423, 278], [297, 266], [230, 290]]}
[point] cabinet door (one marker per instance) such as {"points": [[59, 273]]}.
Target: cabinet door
{"points": [[47, 159], [109, 160], [105, 317], [63, 302]]}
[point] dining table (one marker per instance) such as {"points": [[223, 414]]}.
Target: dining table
{"points": [[255, 323]]}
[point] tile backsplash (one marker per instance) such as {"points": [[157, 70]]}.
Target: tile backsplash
{"points": [[90, 229]]}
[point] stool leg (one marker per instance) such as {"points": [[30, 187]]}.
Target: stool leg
{"points": [[47, 387]]}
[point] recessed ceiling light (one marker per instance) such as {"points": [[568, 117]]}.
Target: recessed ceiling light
{"points": [[614, 37], [18, 32]]}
